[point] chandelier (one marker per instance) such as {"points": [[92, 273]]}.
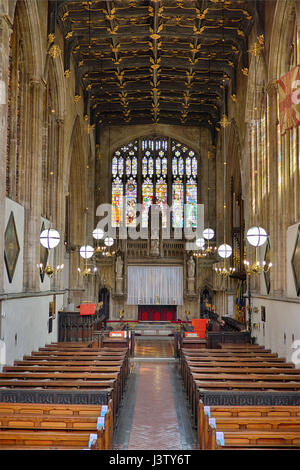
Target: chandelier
{"points": [[89, 270], [200, 252], [49, 239], [224, 271], [257, 267], [50, 270], [105, 249]]}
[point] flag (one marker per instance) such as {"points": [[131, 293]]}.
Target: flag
{"points": [[240, 303], [289, 99]]}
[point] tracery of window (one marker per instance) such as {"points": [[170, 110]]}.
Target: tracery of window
{"points": [[163, 171]]}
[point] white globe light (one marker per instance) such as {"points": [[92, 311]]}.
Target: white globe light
{"points": [[257, 236], [109, 241], [98, 233], [208, 233], [200, 242], [49, 238], [86, 251], [225, 251]]}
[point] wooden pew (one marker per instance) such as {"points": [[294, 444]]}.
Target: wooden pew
{"points": [[237, 440], [68, 356], [239, 374], [235, 368], [57, 423], [87, 365], [50, 416], [266, 379], [245, 418], [48, 440], [64, 379], [91, 379], [233, 361]]}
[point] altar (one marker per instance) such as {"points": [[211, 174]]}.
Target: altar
{"points": [[157, 312]]}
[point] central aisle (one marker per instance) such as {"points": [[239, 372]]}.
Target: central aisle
{"points": [[154, 414], [154, 423]]}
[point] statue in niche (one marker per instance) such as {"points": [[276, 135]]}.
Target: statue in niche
{"points": [[155, 243], [191, 267], [119, 274], [119, 267]]}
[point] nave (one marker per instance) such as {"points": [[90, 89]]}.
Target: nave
{"points": [[154, 413], [78, 396]]}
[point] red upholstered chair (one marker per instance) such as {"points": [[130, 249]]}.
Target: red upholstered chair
{"points": [[169, 316], [145, 316], [156, 316]]}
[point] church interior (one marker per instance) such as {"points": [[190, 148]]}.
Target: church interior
{"points": [[150, 224]]}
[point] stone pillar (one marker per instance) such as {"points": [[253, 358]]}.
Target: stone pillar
{"points": [[33, 188], [59, 203], [275, 235], [5, 32]]}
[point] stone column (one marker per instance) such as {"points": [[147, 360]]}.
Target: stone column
{"points": [[276, 271], [5, 32], [34, 188]]}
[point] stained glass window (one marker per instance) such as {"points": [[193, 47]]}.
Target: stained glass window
{"points": [[117, 202], [177, 199], [147, 200], [131, 201], [191, 204], [163, 161]]}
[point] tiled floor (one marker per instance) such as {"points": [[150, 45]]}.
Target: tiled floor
{"points": [[154, 347], [154, 413]]}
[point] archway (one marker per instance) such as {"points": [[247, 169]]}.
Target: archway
{"points": [[104, 297], [205, 298]]}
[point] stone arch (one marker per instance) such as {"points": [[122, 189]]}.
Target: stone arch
{"points": [[32, 34], [161, 130], [111, 138], [206, 296], [76, 182], [60, 82], [282, 31]]}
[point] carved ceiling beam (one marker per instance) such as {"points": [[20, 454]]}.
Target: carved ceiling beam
{"points": [[155, 11], [115, 45]]}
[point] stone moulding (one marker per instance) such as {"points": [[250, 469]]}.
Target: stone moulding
{"points": [[56, 397]]}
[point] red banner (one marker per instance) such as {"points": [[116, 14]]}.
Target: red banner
{"points": [[87, 309], [289, 100]]}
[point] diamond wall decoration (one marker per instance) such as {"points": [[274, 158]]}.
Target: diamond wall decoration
{"points": [[267, 259], [11, 247], [296, 262]]}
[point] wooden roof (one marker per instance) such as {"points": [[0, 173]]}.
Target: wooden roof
{"points": [[167, 61]]}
